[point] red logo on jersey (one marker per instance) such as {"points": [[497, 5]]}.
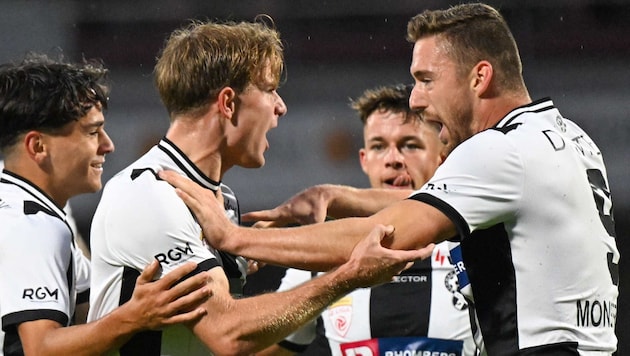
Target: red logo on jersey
{"points": [[360, 348], [440, 257], [340, 315]]}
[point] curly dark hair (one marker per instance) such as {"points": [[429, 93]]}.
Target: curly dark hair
{"points": [[40, 93]]}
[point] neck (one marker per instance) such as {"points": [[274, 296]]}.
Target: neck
{"points": [[201, 142], [29, 170], [492, 110]]}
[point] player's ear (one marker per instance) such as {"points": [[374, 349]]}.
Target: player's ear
{"points": [[482, 75], [35, 145], [227, 102]]}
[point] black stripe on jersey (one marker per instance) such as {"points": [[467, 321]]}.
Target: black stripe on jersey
{"points": [[488, 259], [148, 343], [320, 346], [403, 308], [293, 347], [138, 172], [12, 320], [196, 175], [524, 109], [446, 209], [32, 208], [12, 345], [33, 190]]}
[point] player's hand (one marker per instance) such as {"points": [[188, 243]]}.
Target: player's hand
{"points": [[307, 207], [374, 264], [169, 300], [207, 208], [254, 266]]}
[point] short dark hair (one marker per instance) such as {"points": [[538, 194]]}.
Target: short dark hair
{"points": [[473, 32], [394, 98], [40, 93]]}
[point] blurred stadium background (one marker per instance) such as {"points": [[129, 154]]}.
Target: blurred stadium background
{"points": [[575, 51]]}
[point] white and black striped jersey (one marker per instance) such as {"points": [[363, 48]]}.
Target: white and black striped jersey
{"points": [[140, 218], [531, 202], [42, 273], [421, 310]]}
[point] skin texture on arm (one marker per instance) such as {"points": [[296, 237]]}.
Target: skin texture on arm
{"points": [[246, 325], [314, 247], [275, 350], [153, 305], [327, 200]]}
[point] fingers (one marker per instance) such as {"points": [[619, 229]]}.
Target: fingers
{"points": [[261, 215], [175, 275], [185, 317], [185, 188], [175, 179], [149, 272], [189, 306], [412, 255], [263, 224]]}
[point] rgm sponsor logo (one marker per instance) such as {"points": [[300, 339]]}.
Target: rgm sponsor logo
{"points": [[41, 293], [174, 255]]}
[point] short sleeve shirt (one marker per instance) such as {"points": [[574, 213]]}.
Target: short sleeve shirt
{"points": [[140, 218], [41, 270], [531, 203]]}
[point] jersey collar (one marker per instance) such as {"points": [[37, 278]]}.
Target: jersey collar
{"points": [[38, 195], [536, 106], [186, 165]]}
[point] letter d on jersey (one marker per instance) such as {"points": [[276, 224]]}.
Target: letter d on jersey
{"points": [[555, 139]]}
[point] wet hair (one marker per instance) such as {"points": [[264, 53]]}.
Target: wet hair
{"points": [[199, 60], [393, 98], [472, 33], [43, 94]]}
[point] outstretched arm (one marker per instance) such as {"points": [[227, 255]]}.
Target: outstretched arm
{"points": [[314, 204], [243, 326], [153, 305], [314, 247]]}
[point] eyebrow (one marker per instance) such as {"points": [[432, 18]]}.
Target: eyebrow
{"points": [[404, 138], [421, 73]]}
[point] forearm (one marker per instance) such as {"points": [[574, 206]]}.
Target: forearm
{"points": [[322, 246], [317, 247], [273, 316], [345, 201], [93, 338]]}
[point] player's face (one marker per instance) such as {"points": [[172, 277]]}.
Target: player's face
{"points": [[399, 154], [440, 93], [75, 157], [257, 112]]}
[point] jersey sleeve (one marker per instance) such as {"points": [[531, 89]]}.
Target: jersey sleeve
{"points": [[147, 220], [34, 264], [479, 184]]}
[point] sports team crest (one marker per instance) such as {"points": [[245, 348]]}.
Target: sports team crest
{"points": [[340, 315]]}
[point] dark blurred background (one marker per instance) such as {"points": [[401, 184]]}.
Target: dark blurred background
{"points": [[575, 51]]}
